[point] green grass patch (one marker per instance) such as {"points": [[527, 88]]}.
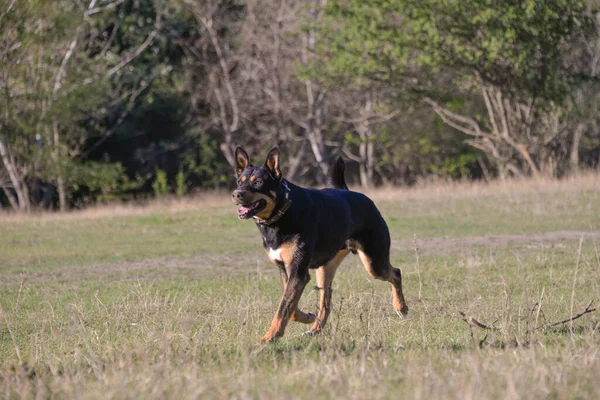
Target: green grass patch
{"points": [[172, 304]]}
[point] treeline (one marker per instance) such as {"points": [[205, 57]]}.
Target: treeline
{"points": [[119, 99]]}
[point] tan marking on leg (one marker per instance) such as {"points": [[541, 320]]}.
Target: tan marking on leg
{"points": [[367, 263], [398, 302], [298, 315], [324, 276], [303, 317], [287, 306], [390, 274]]}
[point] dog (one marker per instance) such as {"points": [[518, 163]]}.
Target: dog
{"points": [[309, 229]]}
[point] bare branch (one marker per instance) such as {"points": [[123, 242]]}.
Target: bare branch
{"points": [[17, 181], [208, 25], [351, 155], [69, 53], [587, 310], [10, 6], [106, 7], [502, 114], [376, 118], [140, 49], [473, 322], [455, 120], [11, 198], [111, 38], [490, 109]]}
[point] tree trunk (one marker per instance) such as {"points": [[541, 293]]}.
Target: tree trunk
{"points": [[315, 97], [19, 187], [366, 153], [11, 198], [62, 193], [314, 132], [296, 160], [366, 149], [61, 185], [362, 153], [317, 146], [226, 149], [574, 154], [229, 123]]}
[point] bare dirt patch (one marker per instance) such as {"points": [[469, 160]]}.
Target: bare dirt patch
{"points": [[428, 246], [196, 266]]}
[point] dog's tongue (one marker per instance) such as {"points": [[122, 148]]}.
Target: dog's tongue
{"points": [[243, 210]]}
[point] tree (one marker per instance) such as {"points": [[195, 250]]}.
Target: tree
{"points": [[508, 60], [58, 72], [251, 53]]}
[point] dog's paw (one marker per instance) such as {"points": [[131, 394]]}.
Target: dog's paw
{"points": [[269, 338], [402, 314], [312, 332]]}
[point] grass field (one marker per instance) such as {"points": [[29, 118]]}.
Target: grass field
{"points": [[170, 301]]}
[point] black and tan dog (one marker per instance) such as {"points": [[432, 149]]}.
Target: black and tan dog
{"points": [[305, 229]]}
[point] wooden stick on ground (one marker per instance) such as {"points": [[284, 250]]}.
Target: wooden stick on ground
{"points": [[587, 310], [473, 322]]}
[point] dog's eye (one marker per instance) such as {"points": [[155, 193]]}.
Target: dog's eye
{"points": [[258, 182]]}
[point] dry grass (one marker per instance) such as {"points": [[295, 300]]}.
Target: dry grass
{"points": [[166, 205], [169, 301], [423, 190], [461, 189]]}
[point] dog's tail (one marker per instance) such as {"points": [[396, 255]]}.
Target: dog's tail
{"points": [[336, 178]]}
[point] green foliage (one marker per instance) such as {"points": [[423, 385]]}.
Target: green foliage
{"points": [[100, 181], [160, 186], [452, 50], [424, 149], [123, 88], [409, 43], [180, 182], [204, 162]]}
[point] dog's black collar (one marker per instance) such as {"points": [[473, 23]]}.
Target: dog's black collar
{"points": [[282, 210]]}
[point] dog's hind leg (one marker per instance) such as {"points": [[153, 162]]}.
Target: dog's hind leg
{"points": [[374, 254], [325, 275]]}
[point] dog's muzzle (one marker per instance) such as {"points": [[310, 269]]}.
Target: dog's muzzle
{"points": [[248, 207]]}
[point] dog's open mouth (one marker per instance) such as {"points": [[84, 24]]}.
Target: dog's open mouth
{"points": [[249, 211]]}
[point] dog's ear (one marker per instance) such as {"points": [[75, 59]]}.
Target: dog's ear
{"points": [[242, 159], [272, 162]]}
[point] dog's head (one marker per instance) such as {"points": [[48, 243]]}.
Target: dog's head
{"points": [[258, 188]]}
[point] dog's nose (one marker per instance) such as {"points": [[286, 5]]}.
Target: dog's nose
{"points": [[237, 195]]}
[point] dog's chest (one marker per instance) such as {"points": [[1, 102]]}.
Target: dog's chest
{"points": [[279, 248], [275, 254]]}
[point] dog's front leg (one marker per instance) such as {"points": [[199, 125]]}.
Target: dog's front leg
{"points": [[298, 277], [298, 315]]}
